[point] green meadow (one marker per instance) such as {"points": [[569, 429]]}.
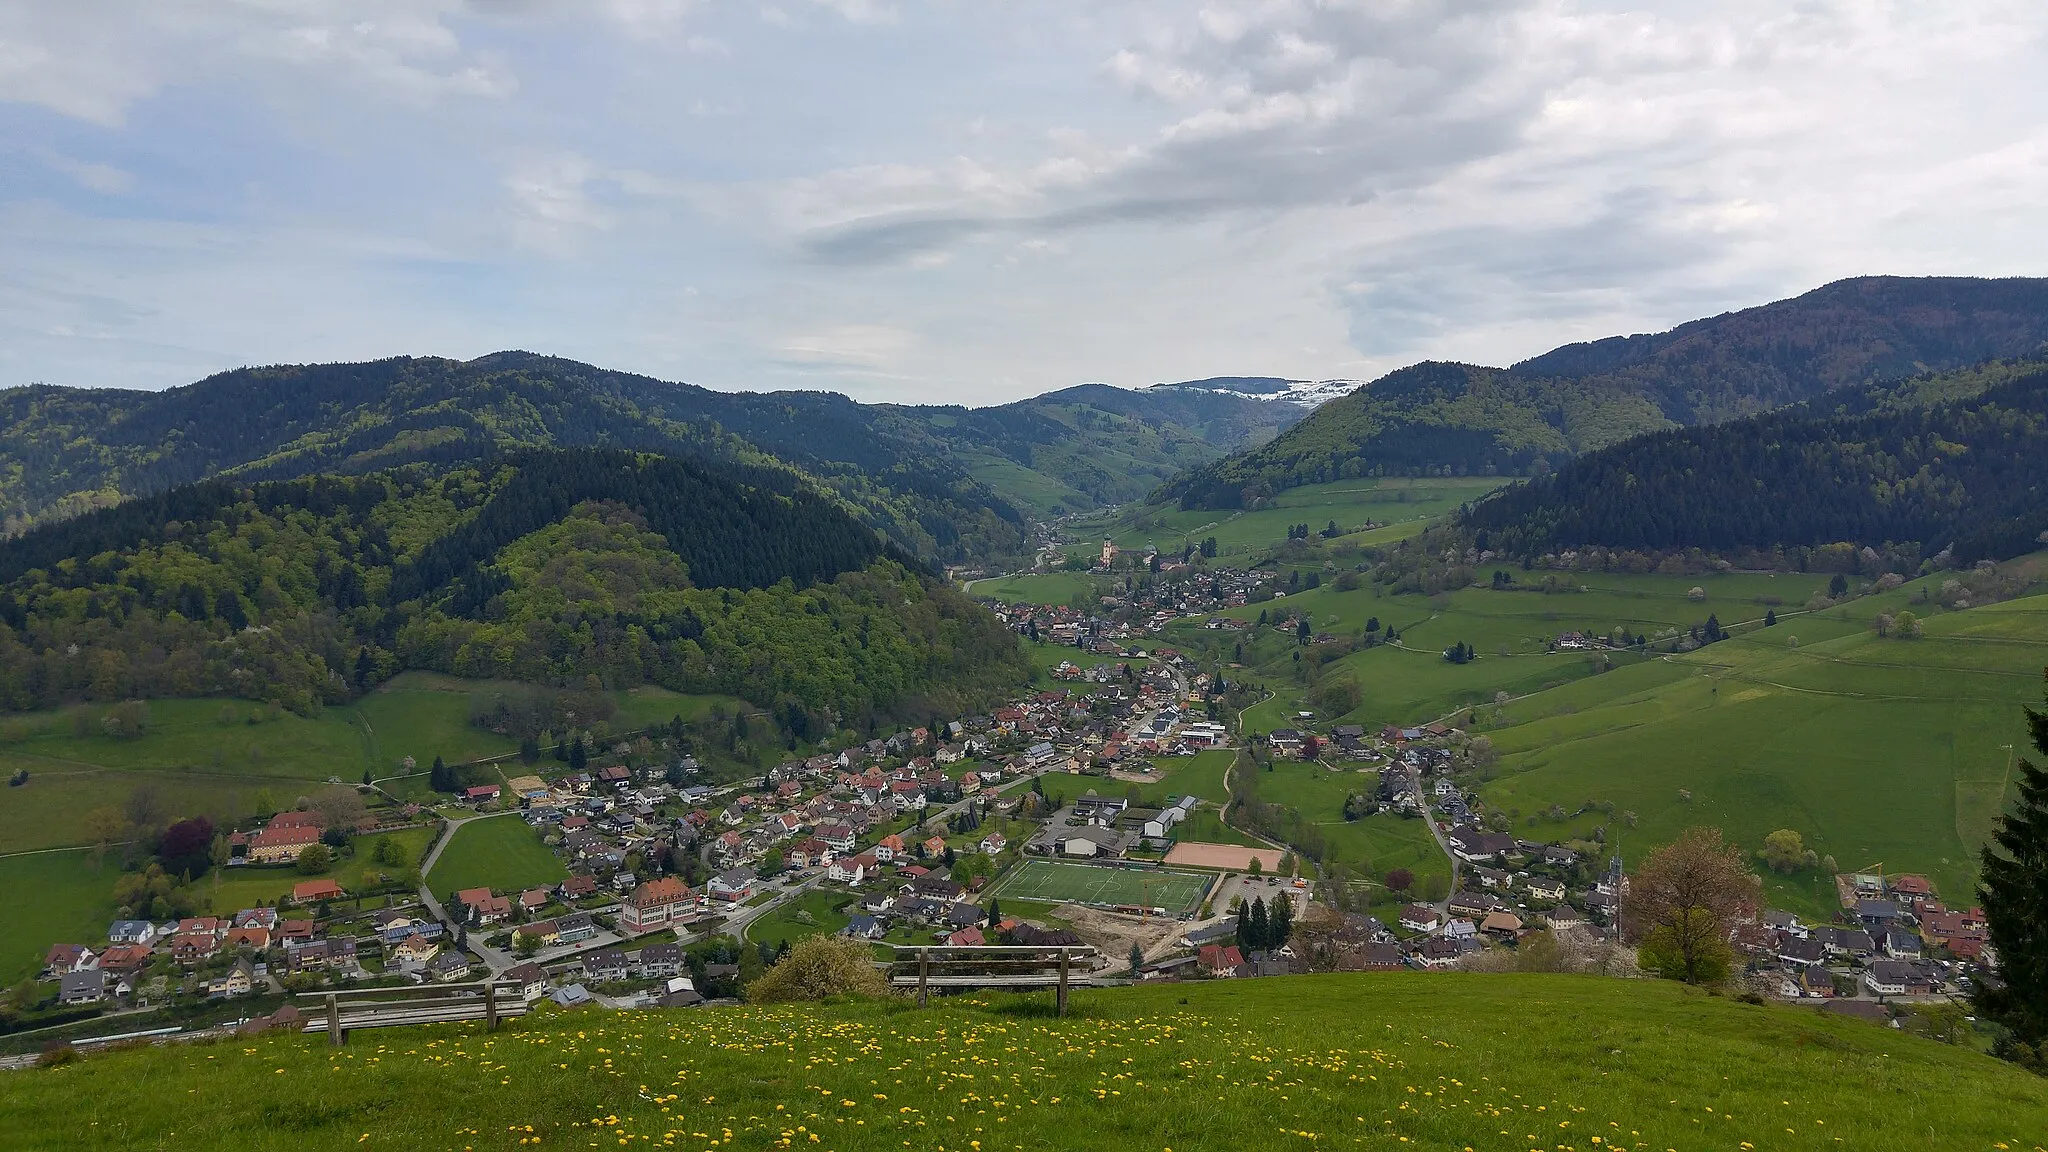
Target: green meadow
{"points": [[1174, 776], [1397, 507], [1376, 1061], [233, 758], [1038, 588], [818, 912], [1886, 752], [501, 852], [48, 898]]}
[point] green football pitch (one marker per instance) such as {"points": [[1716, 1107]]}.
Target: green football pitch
{"points": [[1096, 884]]}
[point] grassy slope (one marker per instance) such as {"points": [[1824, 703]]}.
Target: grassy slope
{"points": [[1490, 1063], [1877, 751], [829, 911], [500, 852], [1393, 503], [49, 897], [204, 755]]}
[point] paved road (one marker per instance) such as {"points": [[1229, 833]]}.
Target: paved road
{"points": [[495, 960], [1442, 841]]}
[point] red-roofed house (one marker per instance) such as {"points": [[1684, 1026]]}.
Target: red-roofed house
{"points": [[658, 904], [282, 843], [311, 891], [1220, 959], [890, 848]]}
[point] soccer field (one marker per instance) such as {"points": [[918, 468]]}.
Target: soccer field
{"points": [[1094, 884]]}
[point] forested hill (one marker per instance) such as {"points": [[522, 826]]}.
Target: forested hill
{"points": [[1915, 468], [548, 567], [1464, 419], [945, 482]]}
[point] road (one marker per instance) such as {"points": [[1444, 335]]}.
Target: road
{"points": [[1442, 841], [495, 960]]}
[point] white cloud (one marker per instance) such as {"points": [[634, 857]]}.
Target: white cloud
{"points": [[926, 199]]}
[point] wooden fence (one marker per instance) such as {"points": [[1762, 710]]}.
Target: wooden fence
{"points": [[992, 966], [338, 1013]]}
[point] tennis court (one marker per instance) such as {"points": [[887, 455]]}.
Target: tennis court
{"points": [[1061, 882]]}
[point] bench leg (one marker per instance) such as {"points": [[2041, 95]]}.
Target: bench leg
{"points": [[333, 1021]]}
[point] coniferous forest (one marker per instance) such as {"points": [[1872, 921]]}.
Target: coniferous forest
{"points": [[1941, 464], [570, 568]]}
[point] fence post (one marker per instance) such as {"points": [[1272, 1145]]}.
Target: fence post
{"points": [[333, 1021], [923, 968], [490, 1005], [1061, 1007]]}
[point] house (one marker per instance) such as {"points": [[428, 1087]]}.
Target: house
{"points": [[1437, 952], [314, 891], [543, 933], [606, 965], [658, 961], [1213, 934], [1803, 953], [877, 903], [125, 960], [680, 992], [484, 907], [573, 996], [1504, 925], [533, 900], [415, 950], [852, 869], [1372, 958], [338, 953], [1786, 922], [1470, 903], [448, 967], [63, 958], [657, 904], [1492, 878], [864, 927], [239, 981], [480, 794], [889, 849], [934, 847], [1090, 842], [1565, 918], [1854, 943], [579, 886], [1460, 929], [731, 886], [969, 937], [254, 939], [1420, 918], [532, 981], [993, 844], [1219, 960], [1473, 846], [1901, 945], [282, 843], [84, 986], [193, 947], [837, 836], [131, 932], [1544, 888], [1900, 978], [575, 928]]}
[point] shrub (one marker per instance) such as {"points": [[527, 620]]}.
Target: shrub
{"points": [[818, 967]]}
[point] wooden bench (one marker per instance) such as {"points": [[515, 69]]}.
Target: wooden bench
{"points": [[339, 1013], [991, 966]]}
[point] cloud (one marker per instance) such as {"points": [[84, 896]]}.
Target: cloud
{"points": [[551, 202], [102, 178]]}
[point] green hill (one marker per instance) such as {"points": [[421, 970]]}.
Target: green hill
{"points": [[1488, 1063], [570, 570], [945, 482], [1439, 418], [1940, 463]]}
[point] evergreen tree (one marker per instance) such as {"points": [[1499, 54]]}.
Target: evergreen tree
{"points": [[1244, 925], [1770, 617], [439, 778], [1137, 957], [995, 912], [579, 756], [1261, 927], [1301, 630], [1280, 924], [2014, 893]]}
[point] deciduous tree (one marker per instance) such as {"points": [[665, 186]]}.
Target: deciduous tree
{"points": [[1682, 902]]}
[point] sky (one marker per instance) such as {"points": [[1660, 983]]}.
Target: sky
{"points": [[971, 201]]}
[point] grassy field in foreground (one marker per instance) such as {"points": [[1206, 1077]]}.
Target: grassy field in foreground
{"points": [[1396, 1061], [500, 852]]}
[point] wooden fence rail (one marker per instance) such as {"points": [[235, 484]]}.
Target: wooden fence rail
{"points": [[338, 1013], [992, 966]]}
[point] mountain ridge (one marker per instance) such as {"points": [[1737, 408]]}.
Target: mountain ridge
{"points": [[1473, 419]]}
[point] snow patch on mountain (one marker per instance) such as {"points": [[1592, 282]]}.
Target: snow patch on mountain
{"points": [[1303, 393]]}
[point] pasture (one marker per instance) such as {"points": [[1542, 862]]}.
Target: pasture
{"points": [[1198, 775], [1395, 506], [1374, 1061], [500, 852], [1877, 751], [1036, 588], [50, 898], [1059, 882], [818, 912]]}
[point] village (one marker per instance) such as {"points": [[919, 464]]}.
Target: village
{"points": [[1050, 821]]}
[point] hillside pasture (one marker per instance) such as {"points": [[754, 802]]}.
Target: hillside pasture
{"points": [[1878, 751], [1397, 506], [52, 898]]}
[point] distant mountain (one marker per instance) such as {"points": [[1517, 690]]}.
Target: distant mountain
{"points": [[1951, 461], [948, 483], [1304, 393], [1464, 418], [565, 569]]}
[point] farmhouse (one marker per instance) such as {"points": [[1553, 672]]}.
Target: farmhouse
{"points": [[282, 844]]}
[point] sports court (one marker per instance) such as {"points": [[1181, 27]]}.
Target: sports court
{"points": [[1060, 882]]}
